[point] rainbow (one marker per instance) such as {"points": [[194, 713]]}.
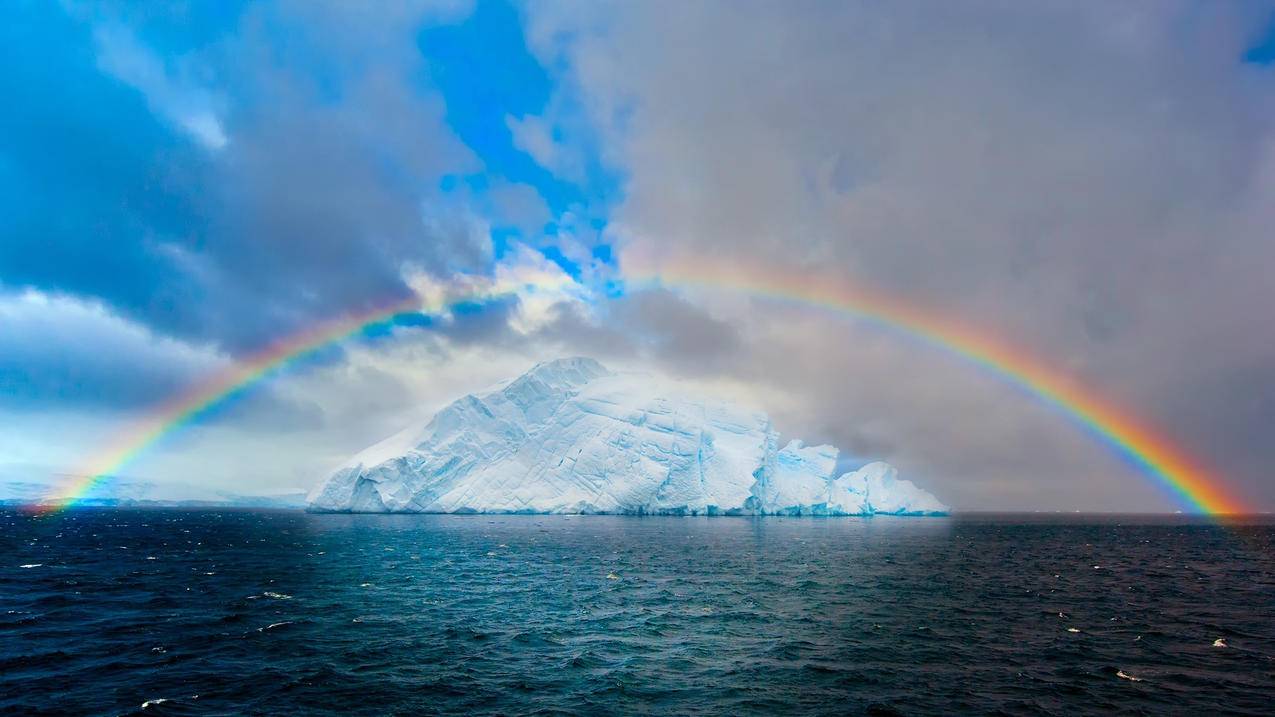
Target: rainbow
{"points": [[199, 400], [1153, 454]]}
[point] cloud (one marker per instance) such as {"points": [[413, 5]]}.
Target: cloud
{"points": [[1092, 183], [1087, 182], [61, 350], [88, 199], [190, 107], [521, 206], [374, 391], [535, 136], [652, 328], [77, 379], [183, 186], [228, 187]]}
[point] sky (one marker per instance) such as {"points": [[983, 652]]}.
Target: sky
{"points": [[183, 185]]}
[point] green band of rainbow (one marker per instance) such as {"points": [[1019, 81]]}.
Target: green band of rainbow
{"points": [[185, 408], [1157, 457]]}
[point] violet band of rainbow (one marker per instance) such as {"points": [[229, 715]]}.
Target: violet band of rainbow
{"points": [[1156, 456]]}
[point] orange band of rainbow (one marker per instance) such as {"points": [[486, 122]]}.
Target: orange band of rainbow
{"points": [[1156, 456]]}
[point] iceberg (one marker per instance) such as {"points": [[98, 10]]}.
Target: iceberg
{"points": [[571, 436]]}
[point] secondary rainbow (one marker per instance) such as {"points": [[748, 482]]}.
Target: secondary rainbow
{"points": [[1156, 456]]}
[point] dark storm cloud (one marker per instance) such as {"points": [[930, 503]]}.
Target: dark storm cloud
{"points": [[226, 187]]}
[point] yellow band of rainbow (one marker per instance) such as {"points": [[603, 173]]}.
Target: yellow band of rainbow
{"points": [[1156, 456]]}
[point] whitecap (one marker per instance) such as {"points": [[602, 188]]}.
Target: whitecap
{"points": [[277, 596], [1220, 642], [273, 625], [612, 576], [1126, 676], [150, 703], [1072, 629], [31, 565]]}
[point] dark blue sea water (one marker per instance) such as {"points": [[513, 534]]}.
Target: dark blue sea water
{"points": [[240, 612]]}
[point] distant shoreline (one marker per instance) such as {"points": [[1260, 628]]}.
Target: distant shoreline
{"points": [[1028, 515]]}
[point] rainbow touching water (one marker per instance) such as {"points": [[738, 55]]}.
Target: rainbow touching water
{"points": [[203, 396], [1156, 456], [187, 407]]}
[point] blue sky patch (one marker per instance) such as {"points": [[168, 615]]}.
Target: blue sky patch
{"points": [[487, 75], [1263, 52]]}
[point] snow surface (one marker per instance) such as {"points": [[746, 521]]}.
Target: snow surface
{"points": [[570, 436]]}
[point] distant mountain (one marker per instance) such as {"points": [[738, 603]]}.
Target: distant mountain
{"points": [[570, 436], [120, 492]]}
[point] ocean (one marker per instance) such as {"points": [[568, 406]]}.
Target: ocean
{"points": [[159, 611]]}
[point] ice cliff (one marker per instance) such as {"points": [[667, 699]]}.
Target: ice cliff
{"points": [[570, 436]]}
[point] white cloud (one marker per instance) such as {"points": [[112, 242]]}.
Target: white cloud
{"points": [[537, 283], [170, 92], [535, 136], [542, 286]]}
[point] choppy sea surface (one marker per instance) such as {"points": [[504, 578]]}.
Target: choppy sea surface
{"points": [[242, 612]]}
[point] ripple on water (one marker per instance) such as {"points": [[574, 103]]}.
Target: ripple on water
{"points": [[277, 612]]}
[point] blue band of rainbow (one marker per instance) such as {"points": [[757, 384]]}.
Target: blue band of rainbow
{"points": [[1157, 457]]}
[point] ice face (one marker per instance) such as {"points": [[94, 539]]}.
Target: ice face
{"points": [[570, 436]]}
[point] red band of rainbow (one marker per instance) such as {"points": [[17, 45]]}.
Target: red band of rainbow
{"points": [[1156, 456]]}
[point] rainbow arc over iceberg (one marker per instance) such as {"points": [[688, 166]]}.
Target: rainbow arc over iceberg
{"points": [[1154, 455]]}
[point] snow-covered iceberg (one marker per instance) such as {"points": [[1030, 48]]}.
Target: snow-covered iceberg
{"points": [[570, 436]]}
